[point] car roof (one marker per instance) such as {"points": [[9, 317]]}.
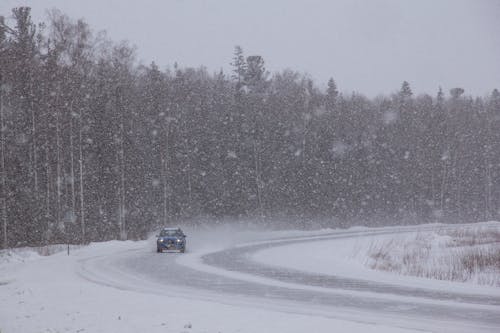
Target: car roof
{"points": [[171, 229]]}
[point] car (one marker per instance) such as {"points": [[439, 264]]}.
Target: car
{"points": [[171, 240]]}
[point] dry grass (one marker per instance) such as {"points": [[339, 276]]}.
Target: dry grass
{"points": [[471, 237], [466, 255]]}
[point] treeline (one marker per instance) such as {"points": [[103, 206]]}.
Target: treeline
{"points": [[94, 146]]}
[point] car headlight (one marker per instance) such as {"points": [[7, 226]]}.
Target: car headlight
{"points": [[179, 240], [160, 240]]}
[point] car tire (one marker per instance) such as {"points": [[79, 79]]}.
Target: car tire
{"points": [[158, 250]]}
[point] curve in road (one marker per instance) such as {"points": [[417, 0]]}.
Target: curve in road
{"points": [[229, 276]]}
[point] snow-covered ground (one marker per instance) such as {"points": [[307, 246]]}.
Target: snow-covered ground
{"points": [[354, 257], [47, 295], [469, 254], [127, 287]]}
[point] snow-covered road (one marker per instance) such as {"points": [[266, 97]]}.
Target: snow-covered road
{"points": [[230, 276], [220, 285]]}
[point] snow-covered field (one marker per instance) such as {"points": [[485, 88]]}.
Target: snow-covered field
{"points": [[440, 254], [112, 286], [470, 255]]}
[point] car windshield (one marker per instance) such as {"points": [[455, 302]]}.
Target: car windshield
{"points": [[171, 233]]}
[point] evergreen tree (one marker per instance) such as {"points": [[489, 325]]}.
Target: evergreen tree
{"points": [[239, 67]]}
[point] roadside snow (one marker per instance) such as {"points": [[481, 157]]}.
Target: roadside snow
{"points": [[17, 255]]}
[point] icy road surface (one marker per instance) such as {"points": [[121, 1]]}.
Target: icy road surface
{"points": [[220, 285]]}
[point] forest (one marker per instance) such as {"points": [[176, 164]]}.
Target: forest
{"points": [[96, 146]]}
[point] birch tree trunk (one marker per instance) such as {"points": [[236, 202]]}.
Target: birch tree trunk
{"points": [[443, 187], [123, 232], [72, 163], [188, 170], [189, 183], [488, 165], [48, 176], [488, 205], [2, 165], [257, 176], [80, 162], [33, 140], [122, 186], [165, 177], [58, 168]]}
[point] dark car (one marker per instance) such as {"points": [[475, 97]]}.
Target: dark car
{"points": [[171, 239]]}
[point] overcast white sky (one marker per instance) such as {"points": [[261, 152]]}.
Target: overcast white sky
{"points": [[368, 46]]}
